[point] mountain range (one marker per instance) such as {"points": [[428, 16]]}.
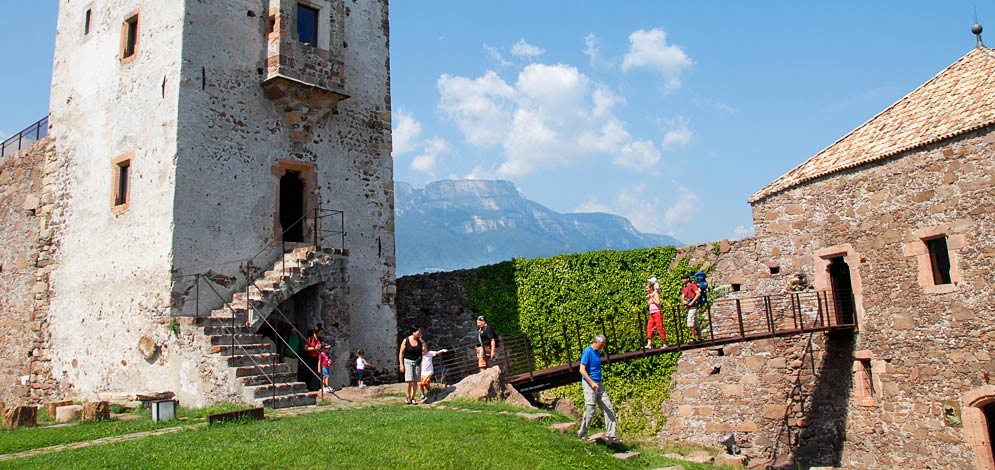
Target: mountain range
{"points": [[456, 224]]}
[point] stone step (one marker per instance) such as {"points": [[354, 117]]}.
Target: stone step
{"points": [[287, 401], [282, 377], [237, 320], [286, 388], [225, 330], [239, 298], [239, 339], [269, 369], [242, 348], [265, 285], [239, 360]]}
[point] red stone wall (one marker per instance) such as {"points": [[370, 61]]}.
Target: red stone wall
{"points": [[926, 347], [26, 230]]}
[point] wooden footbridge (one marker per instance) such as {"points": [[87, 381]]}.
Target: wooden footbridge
{"points": [[725, 321]]}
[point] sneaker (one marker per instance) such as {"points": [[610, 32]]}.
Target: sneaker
{"points": [[422, 397]]}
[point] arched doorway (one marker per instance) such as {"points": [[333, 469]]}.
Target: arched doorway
{"points": [[292, 207], [978, 413], [842, 288]]}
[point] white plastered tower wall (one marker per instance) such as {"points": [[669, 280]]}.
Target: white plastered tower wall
{"points": [[191, 112], [110, 282]]}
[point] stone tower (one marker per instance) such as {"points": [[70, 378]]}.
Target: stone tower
{"points": [[196, 143]]}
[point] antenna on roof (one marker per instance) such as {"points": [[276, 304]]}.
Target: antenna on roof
{"points": [[976, 29]]}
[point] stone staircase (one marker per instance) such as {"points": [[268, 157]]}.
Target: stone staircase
{"points": [[264, 379]]}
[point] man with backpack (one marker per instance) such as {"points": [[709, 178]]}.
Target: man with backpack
{"points": [[691, 298]]}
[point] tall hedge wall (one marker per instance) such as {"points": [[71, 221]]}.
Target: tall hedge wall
{"points": [[589, 293]]}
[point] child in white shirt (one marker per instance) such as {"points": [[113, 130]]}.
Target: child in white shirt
{"points": [[427, 370]]}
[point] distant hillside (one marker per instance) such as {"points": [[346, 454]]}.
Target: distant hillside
{"points": [[456, 224]]}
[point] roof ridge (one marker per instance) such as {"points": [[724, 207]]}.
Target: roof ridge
{"points": [[772, 188]]}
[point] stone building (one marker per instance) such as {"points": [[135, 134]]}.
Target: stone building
{"points": [[895, 218], [198, 154]]}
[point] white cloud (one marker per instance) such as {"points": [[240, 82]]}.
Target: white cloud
{"points": [[640, 206], [406, 138], [649, 49], [496, 56], [426, 160], [742, 232], [683, 211], [679, 135], [524, 49], [552, 116], [477, 106], [592, 49], [405, 134]]}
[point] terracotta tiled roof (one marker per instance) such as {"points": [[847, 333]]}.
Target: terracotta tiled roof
{"points": [[957, 100]]}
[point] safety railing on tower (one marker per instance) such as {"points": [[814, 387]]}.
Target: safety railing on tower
{"points": [[25, 138]]}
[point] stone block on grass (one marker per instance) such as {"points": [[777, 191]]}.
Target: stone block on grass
{"points": [[731, 461], [699, 456], [51, 407], [95, 411], [20, 417], [68, 413]]}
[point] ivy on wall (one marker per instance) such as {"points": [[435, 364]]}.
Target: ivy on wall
{"points": [[561, 303]]}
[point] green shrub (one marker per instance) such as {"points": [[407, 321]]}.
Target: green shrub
{"points": [[562, 302]]}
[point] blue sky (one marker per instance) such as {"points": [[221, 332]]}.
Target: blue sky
{"points": [[669, 113]]}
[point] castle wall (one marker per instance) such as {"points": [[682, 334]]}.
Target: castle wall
{"points": [[234, 136], [921, 348], [21, 185], [110, 284]]}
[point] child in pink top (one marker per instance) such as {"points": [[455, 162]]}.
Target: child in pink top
{"points": [[325, 362]]}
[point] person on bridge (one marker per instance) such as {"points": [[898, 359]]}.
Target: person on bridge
{"points": [[486, 343], [594, 390], [690, 295], [655, 321]]}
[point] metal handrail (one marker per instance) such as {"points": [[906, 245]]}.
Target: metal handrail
{"points": [[22, 139]]}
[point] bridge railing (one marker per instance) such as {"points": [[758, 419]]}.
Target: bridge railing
{"points": [[722, 321]]}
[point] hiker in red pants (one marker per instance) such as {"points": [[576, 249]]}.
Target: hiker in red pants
{"points": [[655, 321]]}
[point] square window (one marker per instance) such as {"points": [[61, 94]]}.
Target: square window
{"points": [[121, 183], [86, 21], [939, 260], [129, 37], [307, 24]]}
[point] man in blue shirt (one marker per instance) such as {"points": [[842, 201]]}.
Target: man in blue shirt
{"points": [[594, 390]]}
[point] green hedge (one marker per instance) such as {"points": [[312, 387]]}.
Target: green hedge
{"points": [[589, 293]]}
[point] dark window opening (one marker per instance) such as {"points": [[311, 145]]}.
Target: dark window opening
{"points": [[939, 258], [292, 207], [307, 24], [121, 189], [270, 24], [131, 36], [775, 269], [735, 287], [86, 22], [843, 302], [989, 411]]}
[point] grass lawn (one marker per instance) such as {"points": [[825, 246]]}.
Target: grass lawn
{"points": [[409, 437], [34, 438]]}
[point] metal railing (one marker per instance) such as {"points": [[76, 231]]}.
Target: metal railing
{"points": [[238, 322], [547, 358], [25, 138]]}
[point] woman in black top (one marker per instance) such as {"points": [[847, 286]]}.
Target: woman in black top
{"points": [[409, 358]]}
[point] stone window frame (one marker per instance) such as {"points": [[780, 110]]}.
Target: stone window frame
{"points": [[867, 390], [917, 247], [133, 15], [975, 425], [309, 176], [116, 195], [324, 27], [822, 282]]}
